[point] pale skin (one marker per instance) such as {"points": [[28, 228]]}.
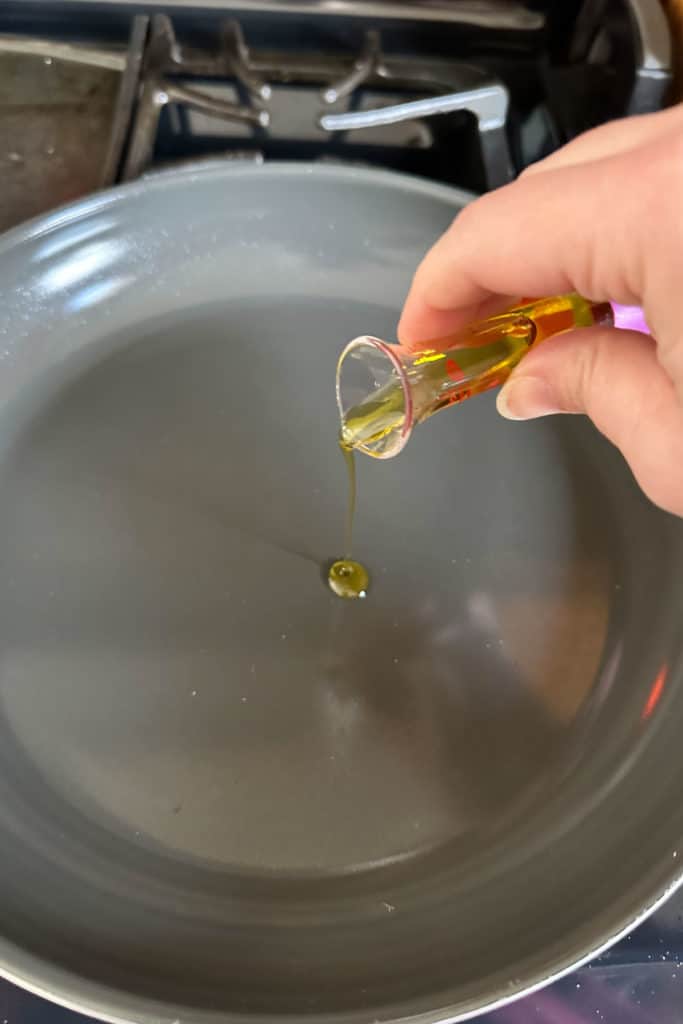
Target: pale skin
{"points": [[604, 217]]}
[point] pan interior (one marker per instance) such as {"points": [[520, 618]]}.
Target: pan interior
{"points": [[167, 520]]}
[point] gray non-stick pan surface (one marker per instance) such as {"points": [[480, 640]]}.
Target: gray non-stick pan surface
{"points": [[225, 794]]}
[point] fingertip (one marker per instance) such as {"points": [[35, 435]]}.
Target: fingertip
{"points": [[526, 398], [421, 323]]}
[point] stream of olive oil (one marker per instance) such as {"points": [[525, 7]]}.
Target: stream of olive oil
{"points": [[350, 460], [346, 577]]}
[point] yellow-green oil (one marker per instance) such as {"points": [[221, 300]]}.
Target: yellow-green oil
{"points": [[373, 419], [347, 578]]}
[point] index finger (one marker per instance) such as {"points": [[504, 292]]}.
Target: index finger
{"points": [[569, 229]]}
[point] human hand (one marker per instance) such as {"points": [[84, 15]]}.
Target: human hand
{"points": [[603, 217]]}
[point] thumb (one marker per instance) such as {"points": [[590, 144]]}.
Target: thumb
{"points": [[615, 378]]}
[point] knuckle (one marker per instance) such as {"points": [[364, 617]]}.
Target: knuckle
{"points": [[462, 223], [662, 167], [532, 169], [466, 229], [581, 381], [588, 381]]}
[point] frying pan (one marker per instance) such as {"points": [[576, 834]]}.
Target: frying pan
{"points": [[224, 793]]}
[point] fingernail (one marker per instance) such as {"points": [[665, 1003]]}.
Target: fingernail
{"points": [[525, 398]]}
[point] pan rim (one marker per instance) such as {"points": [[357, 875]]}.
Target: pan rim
{"points": [[114, 1007], [69, 213]]}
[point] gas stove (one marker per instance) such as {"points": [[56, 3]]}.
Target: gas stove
{"points": [[467, 92], [463, 91]]}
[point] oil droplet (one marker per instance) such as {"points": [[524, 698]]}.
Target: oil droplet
{"points": [[348, 579]]}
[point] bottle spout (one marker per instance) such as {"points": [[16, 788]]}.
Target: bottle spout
{"points": [[374, 398], [383, 390]]}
